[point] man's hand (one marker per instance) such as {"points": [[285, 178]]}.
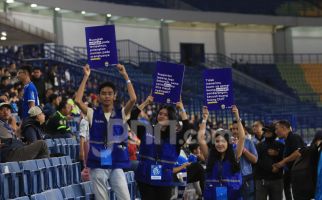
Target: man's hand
{"points": [[122, 71], [280, 164], [86, 70], [272, 152], [235, 111], [205, 113], [149, 99], [179, 105], [275, 169]]}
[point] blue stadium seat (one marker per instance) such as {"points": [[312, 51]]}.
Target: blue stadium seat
{"points": [[75, 169], [54, 194], [48, 178], [88, 189], [60, 172], [131, 184], [51, 146], [64, 146], [74, 148], [38, 197], [14, 183], [53, 173], [22, 198], [73, 192], [59, 146], [67, 168], [34, 176]]}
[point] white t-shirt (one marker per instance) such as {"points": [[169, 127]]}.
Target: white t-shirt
{"points": [[90, 113], [84, 129]]}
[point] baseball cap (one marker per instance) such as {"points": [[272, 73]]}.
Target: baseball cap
{"points": [[34, 111], [5, 104]]}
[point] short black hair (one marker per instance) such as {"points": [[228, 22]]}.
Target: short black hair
{"points": [[193, 147], [52, 97], [284, 123], [26, 68], [106, 84], [36, 68], [242, 121], [62, 104], [260, 122]]}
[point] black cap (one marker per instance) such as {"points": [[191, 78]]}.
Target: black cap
{"points": [[269, 128], [4, 104]]}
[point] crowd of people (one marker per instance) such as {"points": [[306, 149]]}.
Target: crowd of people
{"points": [[174, 155]]}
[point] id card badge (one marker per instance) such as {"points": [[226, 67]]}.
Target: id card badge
{"points": [[156, 172], [221, 193], [106, 156]]}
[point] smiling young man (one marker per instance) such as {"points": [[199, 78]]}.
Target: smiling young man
{"points": [[107, 157]]}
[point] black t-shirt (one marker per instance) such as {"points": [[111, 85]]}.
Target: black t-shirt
{"points": [[293, 142]]}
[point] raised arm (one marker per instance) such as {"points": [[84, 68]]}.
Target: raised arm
{"points": [[241, 133], [131, 102], [80, 92], [201, 133], [182, 111], [148, 101]]}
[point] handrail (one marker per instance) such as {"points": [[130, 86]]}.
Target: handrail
{"points": [[6, 18], [297, 58]]}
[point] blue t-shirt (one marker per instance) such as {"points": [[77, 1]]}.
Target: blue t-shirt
{"points": [[192, 158], [245, 165], [30, 93]]}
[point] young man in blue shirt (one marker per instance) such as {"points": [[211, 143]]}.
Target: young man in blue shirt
{"points": [[249, 157], [30, 95], [106, 158]]}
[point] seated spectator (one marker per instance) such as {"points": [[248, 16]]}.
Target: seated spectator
{"points": [[11, 148], [56, 126], [31, 129], [51, 106]]}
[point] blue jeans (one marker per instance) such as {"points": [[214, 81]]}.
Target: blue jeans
{"points": [[104, 178], [248, 188]]}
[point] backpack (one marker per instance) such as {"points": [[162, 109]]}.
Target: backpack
{"points": [[304, 173]]}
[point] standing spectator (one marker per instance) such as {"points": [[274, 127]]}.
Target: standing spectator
{"points": [[318, 192], [31, 127], [51, 107], [305, 172], [37, 79], [293, 143], [106, 158], [56, 126], [11, 148], [223, 176], [269, 180], [249, 158], [84, 139], [30, 94], [258, 132]]}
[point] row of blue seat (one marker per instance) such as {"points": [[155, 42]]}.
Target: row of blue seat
{"points": [[66, 146], [82, 191], [35, 176]]}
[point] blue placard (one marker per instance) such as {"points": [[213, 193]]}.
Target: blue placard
{"points": [[218, 88], [101, 46], [167, 82]]}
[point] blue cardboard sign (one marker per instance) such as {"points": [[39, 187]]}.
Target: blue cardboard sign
{"points": [[167, 82], [218, 88], [101, 46]]}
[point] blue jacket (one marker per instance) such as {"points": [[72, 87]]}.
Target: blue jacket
{"points": [[164, 154], [233, 181], [99, 140]]}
